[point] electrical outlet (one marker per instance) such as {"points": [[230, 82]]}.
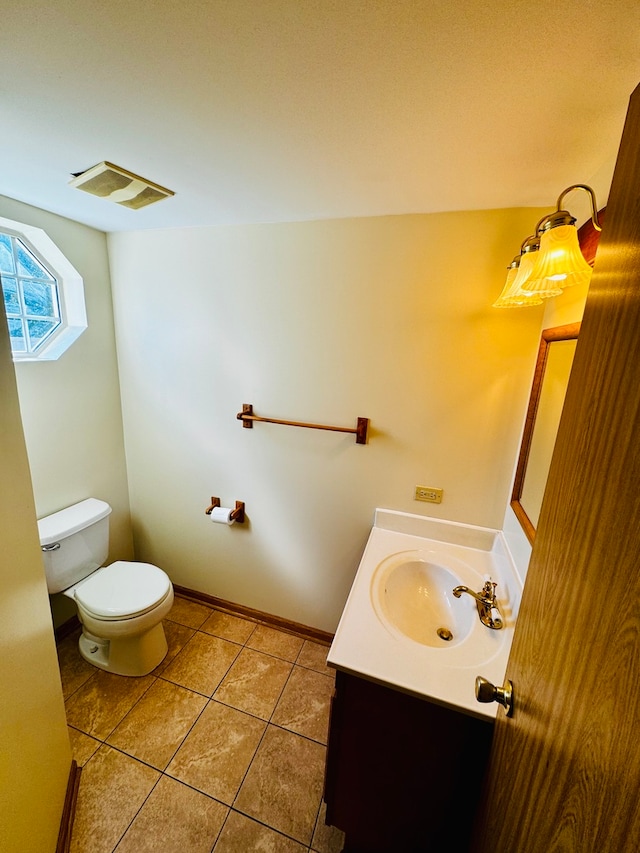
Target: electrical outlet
{"points": [[426, 493]]}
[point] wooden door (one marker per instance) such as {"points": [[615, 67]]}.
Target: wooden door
{"points": [[564, 771]]}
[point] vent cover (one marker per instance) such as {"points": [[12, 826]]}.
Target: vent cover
{"points": [[119, 185]]}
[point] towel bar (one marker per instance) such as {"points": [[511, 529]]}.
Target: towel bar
{"points": [[247, 417]]}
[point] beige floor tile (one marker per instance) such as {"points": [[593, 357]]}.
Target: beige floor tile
{"points": [[74, 669], [82, 746], [283, 787], [112, 789], [174, 819], [326, 839], [314, 656], [177, 638], [254, 683], [276, 643], [304, 704], [101, 703], [154, 729], [217, 752], [202, 663], [241, 835], [188, 613], [229, 627]]}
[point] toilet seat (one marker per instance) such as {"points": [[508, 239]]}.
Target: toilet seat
{"points": [[123, 590]]}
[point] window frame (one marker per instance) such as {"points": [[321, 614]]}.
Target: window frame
{"points": [[71, 300]]}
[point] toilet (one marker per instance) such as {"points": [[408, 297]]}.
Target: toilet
{"points": [[120, 606]]}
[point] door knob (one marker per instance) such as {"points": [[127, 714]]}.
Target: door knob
{"points": [[487, 692]]}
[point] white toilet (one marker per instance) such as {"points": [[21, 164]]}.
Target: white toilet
{"points": [[121, 606]]}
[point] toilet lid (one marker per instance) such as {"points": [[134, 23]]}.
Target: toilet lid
{"points": [[123, 589]]}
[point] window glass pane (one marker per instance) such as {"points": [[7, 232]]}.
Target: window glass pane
{"points": [[6, 255], [39, 330], [28, 265], [16, 332], [41, 325], [10, 290], [39, 299]]}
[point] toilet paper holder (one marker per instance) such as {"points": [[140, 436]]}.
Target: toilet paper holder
{"points": [[237, 514]]}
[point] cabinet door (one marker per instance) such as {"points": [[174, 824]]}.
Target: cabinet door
{"points": [[402, 773], [332, 766]]}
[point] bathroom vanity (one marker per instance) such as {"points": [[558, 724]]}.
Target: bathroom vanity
{"points": [[408, 741], [402, 773]]}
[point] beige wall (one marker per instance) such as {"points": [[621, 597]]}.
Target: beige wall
{"points": [[567, 308], [35, 756], [71, 407], [388, 318]]}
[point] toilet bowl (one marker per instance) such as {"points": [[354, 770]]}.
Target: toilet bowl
{"points": [[120, 606]]}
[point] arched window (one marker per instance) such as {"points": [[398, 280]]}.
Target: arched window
{"points": [[43, 293]]}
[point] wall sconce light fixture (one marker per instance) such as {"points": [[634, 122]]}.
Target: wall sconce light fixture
{"points": [[550, 260]]}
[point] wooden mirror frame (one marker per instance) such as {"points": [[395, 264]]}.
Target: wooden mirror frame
{"points": [[588, 238], [558, 333]]}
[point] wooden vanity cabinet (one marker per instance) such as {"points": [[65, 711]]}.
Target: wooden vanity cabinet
{"points": [[403, 775]]}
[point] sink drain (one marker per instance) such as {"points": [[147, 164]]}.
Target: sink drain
{"points": [[444, 634]]}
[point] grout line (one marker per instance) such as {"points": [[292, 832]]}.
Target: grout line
{"points": [[142, 805], [272, 828], [190, 689], [210, 698], [144, 693], [317, 820], [75, 690], [249, 614]]}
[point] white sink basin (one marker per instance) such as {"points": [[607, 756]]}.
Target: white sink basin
{"points": [[403, 594], [412, 593]]}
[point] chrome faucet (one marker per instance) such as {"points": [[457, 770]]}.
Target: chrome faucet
{"points": [[485, 602]]}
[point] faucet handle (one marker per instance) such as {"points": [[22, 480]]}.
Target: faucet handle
{"points": [[491, 602], [489, 588]]}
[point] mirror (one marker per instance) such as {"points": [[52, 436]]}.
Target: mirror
{"points": [[550, 380]]}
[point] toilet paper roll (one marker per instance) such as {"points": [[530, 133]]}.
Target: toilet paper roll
{"points": [[222, 515]]}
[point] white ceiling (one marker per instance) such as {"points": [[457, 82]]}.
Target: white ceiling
{"points": [[282, 110]]}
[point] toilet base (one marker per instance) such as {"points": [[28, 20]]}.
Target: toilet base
{"points": [[133, 656]]}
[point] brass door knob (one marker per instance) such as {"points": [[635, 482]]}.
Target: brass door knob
{"points": [[487, 692]]}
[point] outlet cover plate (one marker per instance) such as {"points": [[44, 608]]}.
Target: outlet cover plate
{"points": [[429, 494]]}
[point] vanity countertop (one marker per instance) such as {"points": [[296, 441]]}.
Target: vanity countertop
{"points": [[367, 647]]}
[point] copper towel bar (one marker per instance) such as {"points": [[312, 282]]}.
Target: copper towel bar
{"points": [[247, 417]]}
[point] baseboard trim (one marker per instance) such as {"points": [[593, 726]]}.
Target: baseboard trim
{"points": [[304, 631], [66, 628], [69, 809], [299, 630]]}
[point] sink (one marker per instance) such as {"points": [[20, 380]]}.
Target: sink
{"points": [[412, 593], [402, 596]]}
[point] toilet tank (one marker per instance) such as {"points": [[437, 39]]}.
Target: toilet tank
{"points": [[82, 533]]}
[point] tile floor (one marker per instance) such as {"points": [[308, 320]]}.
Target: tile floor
{"points": [[221, 748]]}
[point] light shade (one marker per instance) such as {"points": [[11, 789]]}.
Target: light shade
{"points": [[522, 281], [519, 294], [511, 295], [551, 259], [559, 262]]}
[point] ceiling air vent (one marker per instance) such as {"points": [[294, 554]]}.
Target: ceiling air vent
{"points": [[116, 184]]}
